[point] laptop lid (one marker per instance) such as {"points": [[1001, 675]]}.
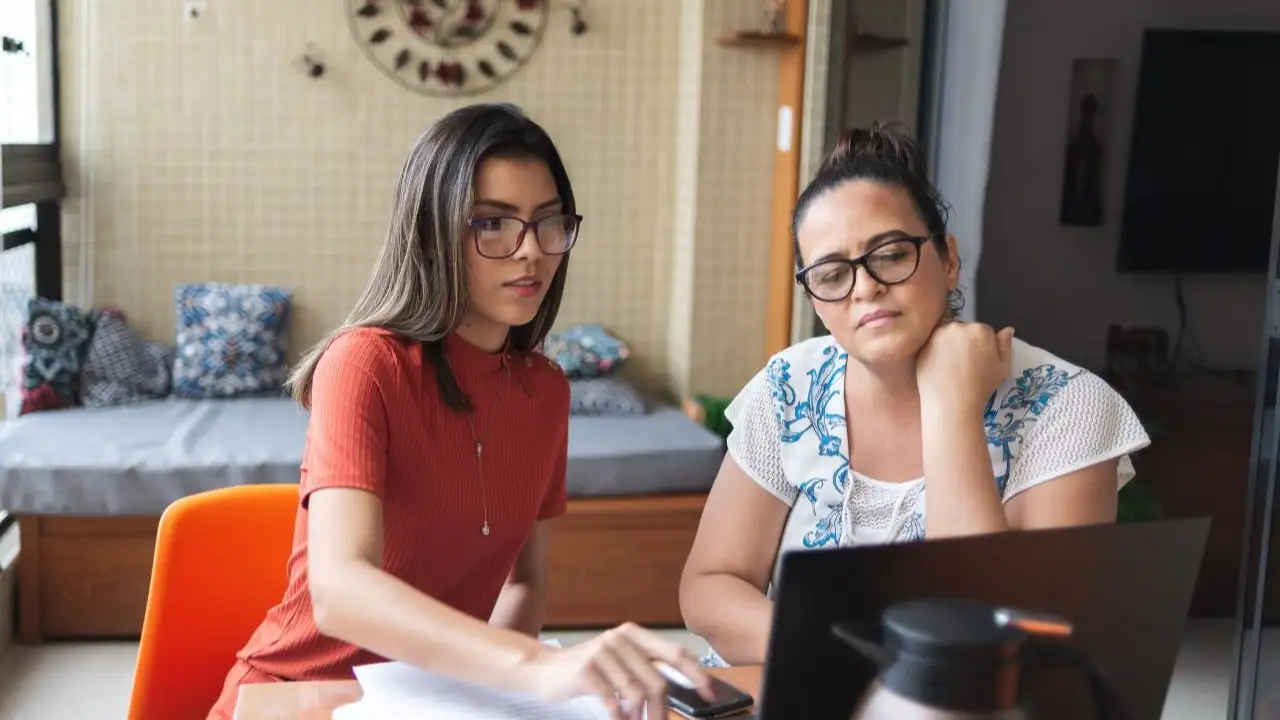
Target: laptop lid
{"points": [[1126, 588]]}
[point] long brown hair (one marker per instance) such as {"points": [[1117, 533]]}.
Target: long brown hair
{"points": [[418, 288]]}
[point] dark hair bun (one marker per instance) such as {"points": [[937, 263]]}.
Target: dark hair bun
{"points": [[880, 144]]}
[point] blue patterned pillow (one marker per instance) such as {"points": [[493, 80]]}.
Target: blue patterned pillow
{"points": [[55, 339], [231, 340], [603, 396], [586, 351]]}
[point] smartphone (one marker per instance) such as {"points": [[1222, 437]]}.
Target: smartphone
{"points": [[728, 700]]}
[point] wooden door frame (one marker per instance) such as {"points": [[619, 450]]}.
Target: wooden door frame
{"points": [[786, 179]]}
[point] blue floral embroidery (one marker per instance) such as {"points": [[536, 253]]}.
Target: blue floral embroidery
{"points": [[913, 530], [1006, 421], [828, 425], [1021, 407]]}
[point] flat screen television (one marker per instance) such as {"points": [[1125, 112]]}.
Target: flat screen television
{"points": [[1201, 183]]}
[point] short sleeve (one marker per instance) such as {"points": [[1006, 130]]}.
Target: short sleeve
{"points": [[555, 500], [347, 430], [1086, 423], [755, 442]]}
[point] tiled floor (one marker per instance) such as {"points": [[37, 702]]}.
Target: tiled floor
{"points": [[91, 681]]}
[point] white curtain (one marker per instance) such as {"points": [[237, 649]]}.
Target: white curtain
{"points": [[966, 47]]}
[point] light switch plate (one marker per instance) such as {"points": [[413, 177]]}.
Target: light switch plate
{"points": [[786, 128]]}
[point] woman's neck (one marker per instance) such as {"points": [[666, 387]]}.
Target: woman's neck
{"points": [[484, 334], [882, 386]]}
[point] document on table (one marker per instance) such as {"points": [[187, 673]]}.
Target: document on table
{"points": [[396, 690]]}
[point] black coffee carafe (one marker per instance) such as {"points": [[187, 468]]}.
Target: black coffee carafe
{"points": [[947, 659]]}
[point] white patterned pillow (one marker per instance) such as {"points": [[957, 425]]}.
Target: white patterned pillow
{"points": [[604, 396], [122, 368]]}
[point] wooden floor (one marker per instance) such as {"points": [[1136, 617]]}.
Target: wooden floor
{"points": [[612, 560]]}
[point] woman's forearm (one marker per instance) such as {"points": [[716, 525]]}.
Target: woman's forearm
{"points": [[961, 495], [521, 607], [731, 614], [371, 609]]}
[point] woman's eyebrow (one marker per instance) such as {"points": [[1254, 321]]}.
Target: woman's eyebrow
{"points": [[506, 206], [881, 237]]}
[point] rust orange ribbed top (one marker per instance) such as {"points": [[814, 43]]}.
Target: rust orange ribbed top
{"points": [[378, 424]]}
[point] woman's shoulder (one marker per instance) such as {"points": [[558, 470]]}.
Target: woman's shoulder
{"points": [[814, 352], [369, 347], [1052, 417], [1037, 377], [818, 359], [1043, 387], [1027, 356], [547, 375]]}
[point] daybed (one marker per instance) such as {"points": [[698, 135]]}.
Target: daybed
{"points": [[88, 486]]}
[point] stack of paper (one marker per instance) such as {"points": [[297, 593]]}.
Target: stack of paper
{"points": [[396, 690]]}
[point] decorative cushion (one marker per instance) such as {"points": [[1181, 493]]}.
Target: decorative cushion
{"points": [[121, 367], [55, 339], [586, 351], [231, 340], [604, 396]]}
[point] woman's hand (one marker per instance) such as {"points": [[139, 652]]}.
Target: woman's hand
{"points": [[618, 668], [963, 363]]}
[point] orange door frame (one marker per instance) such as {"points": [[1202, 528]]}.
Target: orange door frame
{"points": [[786, 178]]}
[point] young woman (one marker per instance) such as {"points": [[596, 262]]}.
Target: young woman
{"points": [[838, 439], [437, 442]]}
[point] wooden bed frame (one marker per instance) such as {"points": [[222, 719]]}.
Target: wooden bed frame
{"points": [[612, 560]]}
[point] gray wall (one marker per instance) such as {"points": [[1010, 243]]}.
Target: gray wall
{"points": [[1057, 285], [971, 68]]}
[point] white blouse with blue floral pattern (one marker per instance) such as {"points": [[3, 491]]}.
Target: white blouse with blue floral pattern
{"points": [[1048, 419]]}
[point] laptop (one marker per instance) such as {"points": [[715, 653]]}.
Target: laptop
{"points": [[1126, 589]]}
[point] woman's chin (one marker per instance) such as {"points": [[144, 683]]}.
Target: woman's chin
{"points": [[514, 314], [883, 349]]}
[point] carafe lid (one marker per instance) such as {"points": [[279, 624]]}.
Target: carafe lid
{"points": [[950, 631]]}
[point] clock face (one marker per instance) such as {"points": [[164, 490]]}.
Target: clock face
{"points": [[448, 47]]}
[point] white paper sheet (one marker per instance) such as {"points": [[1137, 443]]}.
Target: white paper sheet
{"points": [[396, 690]]}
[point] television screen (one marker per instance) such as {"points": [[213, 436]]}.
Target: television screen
{"points": [[1201, 186]]}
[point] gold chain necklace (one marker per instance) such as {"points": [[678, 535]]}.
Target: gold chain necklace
{"points": [[478, 440]]}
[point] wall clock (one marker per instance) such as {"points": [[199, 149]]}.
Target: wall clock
{"points": [[448, 47]]}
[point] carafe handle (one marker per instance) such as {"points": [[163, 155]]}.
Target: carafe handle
{"points": [[1040, 652]]}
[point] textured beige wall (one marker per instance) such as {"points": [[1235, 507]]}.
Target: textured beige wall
{"points": [[202, 152]]}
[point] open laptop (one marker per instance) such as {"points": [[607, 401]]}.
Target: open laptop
{"points": [[1126, 588]]}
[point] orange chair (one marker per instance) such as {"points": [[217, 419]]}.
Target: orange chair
{"points": [[220, 564]]}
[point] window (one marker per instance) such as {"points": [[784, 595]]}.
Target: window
{"points": [[26, 72], [26, 118]]}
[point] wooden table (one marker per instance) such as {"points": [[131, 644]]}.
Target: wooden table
{"points": [[318, 700]]}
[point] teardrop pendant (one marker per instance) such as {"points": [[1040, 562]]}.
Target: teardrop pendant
{"points": [[485, 530]]}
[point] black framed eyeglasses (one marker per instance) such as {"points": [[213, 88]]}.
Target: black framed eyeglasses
{"points": [[890, 263], [501, 237]]}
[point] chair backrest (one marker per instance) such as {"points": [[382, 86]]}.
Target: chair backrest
{"points": [[220, 564]]}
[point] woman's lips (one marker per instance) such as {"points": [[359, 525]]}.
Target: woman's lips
{"points": [[525, 288], [877, 318]]}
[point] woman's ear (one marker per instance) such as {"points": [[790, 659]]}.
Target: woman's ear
{"points": [[953, 263]]}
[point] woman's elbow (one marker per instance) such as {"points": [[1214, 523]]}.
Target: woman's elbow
{"points": [[322, 610], [326, 590], [693, 598]]}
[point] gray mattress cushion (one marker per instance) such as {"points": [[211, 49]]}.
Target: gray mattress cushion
{"points": [[662, 452], [136, 459]]}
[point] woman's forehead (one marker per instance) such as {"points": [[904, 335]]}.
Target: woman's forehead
{"points": [[851, 216]]}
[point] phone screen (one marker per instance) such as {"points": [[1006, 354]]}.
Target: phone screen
{"points": [[687, 701]]}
